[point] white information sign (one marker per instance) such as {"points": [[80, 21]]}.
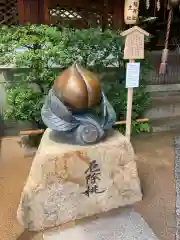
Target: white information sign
{"points": [[132, 75]]}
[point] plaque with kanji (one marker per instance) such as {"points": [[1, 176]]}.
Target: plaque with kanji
{"points": [[134, 43], [92, 177], [131, 10]]}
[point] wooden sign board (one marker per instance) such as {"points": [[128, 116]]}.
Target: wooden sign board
{"points": [[131, 10], [134, 49], [134, 43], [134, 46]]}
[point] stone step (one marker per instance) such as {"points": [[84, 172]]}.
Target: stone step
{"points": [[14, 127], [166, 124], [165, 94], [127, 225], [163, 88], [164, 106]]}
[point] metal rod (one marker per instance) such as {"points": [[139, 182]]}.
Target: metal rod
{"points": [[39, 131]]}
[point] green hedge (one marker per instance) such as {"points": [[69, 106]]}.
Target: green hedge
{"points": [[99, 51]]}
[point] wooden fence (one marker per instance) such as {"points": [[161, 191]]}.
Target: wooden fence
{"points": [[173, 73], [78, 14], [8, 12], [82, 14]]}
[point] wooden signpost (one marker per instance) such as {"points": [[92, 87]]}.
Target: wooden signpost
{"points": [[134, 49]]}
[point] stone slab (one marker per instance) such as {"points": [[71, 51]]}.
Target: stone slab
{"points": [[68, 182], [128, 225]]}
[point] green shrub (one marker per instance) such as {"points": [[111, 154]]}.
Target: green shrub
{"points": [[45, 46]]}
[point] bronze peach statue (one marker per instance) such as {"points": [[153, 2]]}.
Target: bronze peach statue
{"points": [[66, 108]]}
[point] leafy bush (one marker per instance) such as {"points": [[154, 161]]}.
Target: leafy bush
{"points": [[48, 49]]}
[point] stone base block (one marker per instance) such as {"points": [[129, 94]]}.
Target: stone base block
{"points": [[69, 182], [128, 225]]}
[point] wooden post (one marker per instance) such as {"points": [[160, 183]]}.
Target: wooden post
{"points": [[33, 11], [118, 14], [134, 49], [21, 11], [129, 110], [46, 12]]}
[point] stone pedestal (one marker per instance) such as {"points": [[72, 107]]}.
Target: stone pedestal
{"points": [[69, 182], [125, 225]]}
